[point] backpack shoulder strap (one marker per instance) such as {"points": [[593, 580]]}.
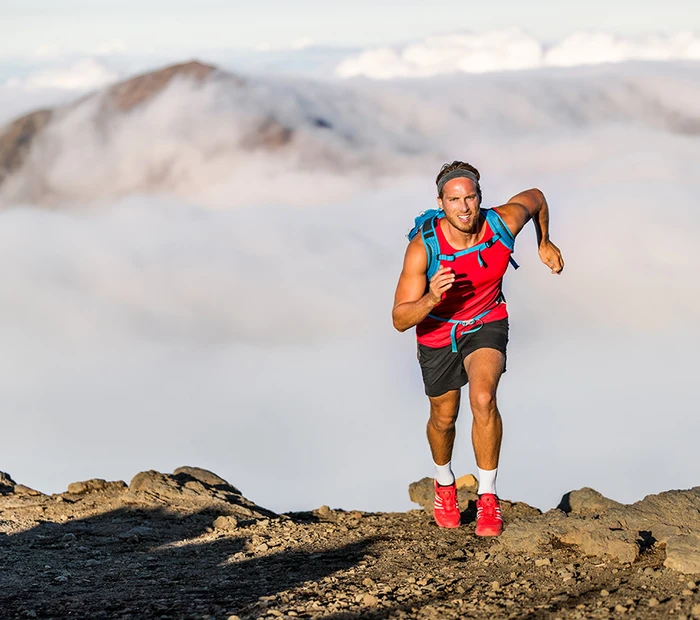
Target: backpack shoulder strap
{"points": [[500, 228], [420, 219], [425, 223], [432, 246]]}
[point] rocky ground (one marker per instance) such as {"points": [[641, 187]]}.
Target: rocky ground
{"points": [[189, 545]]}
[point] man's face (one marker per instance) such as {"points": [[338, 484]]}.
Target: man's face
{"points": [[460, 202]]}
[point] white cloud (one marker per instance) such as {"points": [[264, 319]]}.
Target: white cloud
{"points": [[44, 51], [595, 48], [302, 43], [195, 141], [470, 53], [155, 331], [199, 141], [511, 49], [80, 75], [113, 46], [296, 45]]}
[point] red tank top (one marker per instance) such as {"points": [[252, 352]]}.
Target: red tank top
{"points": [[476, 289]]}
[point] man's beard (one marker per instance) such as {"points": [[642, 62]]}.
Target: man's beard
{"points": [[470, 227]]}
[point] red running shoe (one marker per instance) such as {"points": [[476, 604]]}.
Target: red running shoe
{"points": [[445, 508], [488, 516]]}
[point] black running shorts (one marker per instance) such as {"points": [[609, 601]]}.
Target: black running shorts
{"points": [[443, 370]]}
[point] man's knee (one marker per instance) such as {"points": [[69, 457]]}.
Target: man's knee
{"points": [[443, 423], [483, 402], [443, 413]]}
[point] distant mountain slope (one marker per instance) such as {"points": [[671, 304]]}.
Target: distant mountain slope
{"points": [[188, 127], [207, 135], [16, 140]]}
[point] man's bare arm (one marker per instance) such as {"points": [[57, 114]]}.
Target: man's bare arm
{"points": [[532, 205], [411, 302]]}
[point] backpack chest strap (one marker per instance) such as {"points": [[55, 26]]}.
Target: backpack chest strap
{"points": [[477, 248]]}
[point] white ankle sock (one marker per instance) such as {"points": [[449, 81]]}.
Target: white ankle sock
{"points": [[443, 473], [487, 481]]}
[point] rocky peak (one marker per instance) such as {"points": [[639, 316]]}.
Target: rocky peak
{"points": [[135, 91], [33, 143]]}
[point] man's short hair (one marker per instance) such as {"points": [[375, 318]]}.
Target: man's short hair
{"points": [[459, 165]]}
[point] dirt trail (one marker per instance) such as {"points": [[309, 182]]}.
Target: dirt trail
{"points": [[190, 546]]}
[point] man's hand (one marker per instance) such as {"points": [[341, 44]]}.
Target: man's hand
{"points": [[440, 282], [551, 256]]}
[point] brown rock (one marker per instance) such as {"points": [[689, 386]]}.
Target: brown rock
{"points": [[683, 553], [422, 492], [518, 510], [370, 601], [586, 501], [203, 475], [183, 491], [226, 523], [323, 512], [467, 482], [95, 485], [598, 539], [7, 484], [20, 489], [530, 535]]}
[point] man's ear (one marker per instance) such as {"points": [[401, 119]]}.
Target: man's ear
{"points": [[439, 202]]}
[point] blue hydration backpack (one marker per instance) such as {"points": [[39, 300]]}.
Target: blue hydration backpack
{"points": [[426, 223]]}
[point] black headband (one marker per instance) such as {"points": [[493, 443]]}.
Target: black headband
{"points": [[455, 174]]}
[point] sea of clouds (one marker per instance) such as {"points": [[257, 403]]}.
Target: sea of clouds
{"points": [[496, 50], [512, 49], [247, 328]]}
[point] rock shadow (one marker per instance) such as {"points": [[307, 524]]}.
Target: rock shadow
{"points": [[148, 562]]}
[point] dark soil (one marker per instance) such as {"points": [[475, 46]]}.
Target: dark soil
{"points": [[91, 556]]}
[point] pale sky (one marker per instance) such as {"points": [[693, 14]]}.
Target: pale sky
{"points": [[169, 25]]}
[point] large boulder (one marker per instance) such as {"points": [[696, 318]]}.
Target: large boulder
{"points": [[96, 485], [601, 527], [683, 553], [192, 489], [586, 501]]}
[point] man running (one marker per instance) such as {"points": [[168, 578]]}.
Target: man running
{"points": [[461, 324]]}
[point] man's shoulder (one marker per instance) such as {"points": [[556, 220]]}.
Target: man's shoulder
{"points": [[416, 255], [507, 213]]}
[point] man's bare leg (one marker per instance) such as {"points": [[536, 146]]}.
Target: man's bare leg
{"points": [[441, 425], [441, 436], [484, 368]]}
